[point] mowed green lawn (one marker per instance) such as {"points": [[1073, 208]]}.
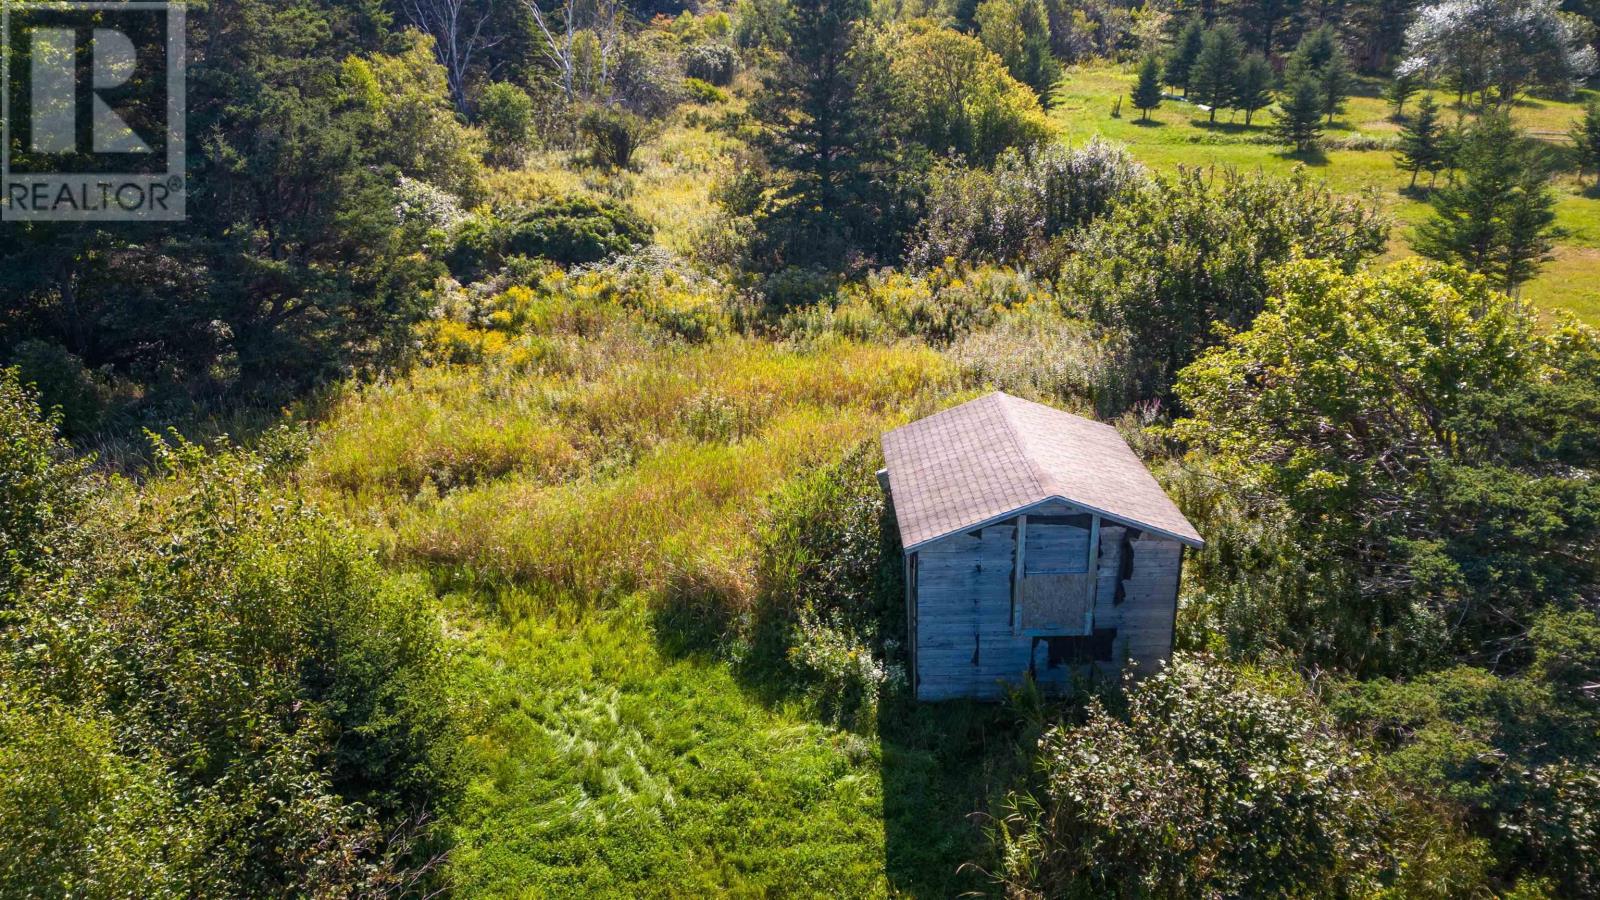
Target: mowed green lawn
{"points": [[1179, 133]]}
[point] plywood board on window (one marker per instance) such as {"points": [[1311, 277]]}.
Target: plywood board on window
{"points": [[1058, 603]]}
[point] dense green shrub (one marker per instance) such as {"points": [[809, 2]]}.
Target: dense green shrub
{"points": [[704, 91], [1521, 754], [1163, 267], [714, 64], [505, 113], [823, 546], [1011, 214], [570, 231], [64, 383], [1416, 442], [831, 590], [41, 487], [77, 819], [1213, 784], [614, 135], [231, 696]]}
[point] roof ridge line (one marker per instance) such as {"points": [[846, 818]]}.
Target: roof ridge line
{"points": [[1041, 478]]}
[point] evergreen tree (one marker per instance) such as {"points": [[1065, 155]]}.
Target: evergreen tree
{"points": [[826, 136], [1497, 219], [1401, 89], [1252, 89], [1451, 140], [1586, 135], [1147, 94], [1018, 31], [1181, 59], [1216, 69], [1315, 49], [1299, 114], [1335, 81], [1319, 56], [1422, 140]]}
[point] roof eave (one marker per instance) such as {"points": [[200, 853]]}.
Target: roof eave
{"points": [[1195, 543]]}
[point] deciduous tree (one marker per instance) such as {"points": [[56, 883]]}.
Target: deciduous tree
{"points": [[1503, 46], [1018, 31]]}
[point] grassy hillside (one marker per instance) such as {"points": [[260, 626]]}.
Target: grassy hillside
{"points": [[582, 483], [1358, 160]]}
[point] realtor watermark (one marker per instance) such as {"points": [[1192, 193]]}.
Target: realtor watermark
{"points": [[92, 111]]}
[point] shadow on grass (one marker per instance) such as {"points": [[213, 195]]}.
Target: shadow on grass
{"points": [[1229, 128], [1147, 123], [945, 767], [1419, 192], [1312, 157]]}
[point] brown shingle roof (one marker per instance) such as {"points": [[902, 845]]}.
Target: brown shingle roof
{"points": [[999, 454]]}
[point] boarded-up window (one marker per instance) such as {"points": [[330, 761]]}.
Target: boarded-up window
{"points": [[1059, 604], [1056, 592]]}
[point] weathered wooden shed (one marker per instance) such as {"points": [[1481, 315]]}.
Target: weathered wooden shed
{"points": [[1036, 542]]}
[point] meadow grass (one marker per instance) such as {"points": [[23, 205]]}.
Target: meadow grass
{"points": [[669, 183], [599, 402], [680, 516], [567, 507], [1178, 133], [610, 766]]}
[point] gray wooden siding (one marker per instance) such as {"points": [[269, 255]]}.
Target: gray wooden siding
{"points": [[966, 643]]}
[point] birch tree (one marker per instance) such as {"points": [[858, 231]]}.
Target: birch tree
{"points": [[583, 44], [457, 27]]}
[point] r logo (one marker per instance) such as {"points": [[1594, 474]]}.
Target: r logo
{"points": [[93, 114], [55, 91]]}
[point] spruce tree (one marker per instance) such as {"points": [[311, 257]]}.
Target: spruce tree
{"points": [[1319, 56], [1401, 89], [1147, 94], [826, 135], [1181, 59], [1299, 114], [1335, 80], [1252, 89], [1497, 219], [1451, 140], [1316, 47], [1421, 140], [1586, 135], [1216, 69]]}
